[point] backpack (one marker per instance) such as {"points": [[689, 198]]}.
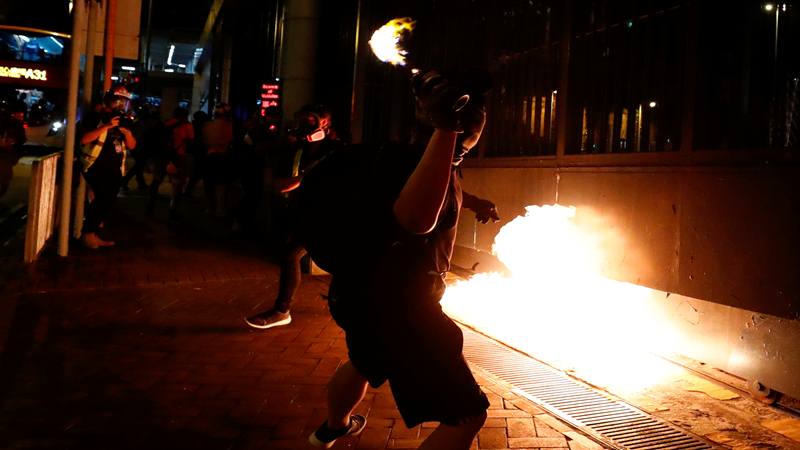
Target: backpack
{"points": [[344, 207]]}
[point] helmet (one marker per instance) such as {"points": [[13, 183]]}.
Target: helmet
{"points": [[122, 91], [118, 98]]}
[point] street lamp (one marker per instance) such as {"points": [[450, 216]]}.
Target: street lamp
{"points": [[777, 8]]}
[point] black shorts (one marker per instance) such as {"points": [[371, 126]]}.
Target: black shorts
{"points": [[402, 336]]}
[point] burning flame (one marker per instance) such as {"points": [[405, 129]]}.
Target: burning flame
{"points": [[385, 42], [557, 306]]}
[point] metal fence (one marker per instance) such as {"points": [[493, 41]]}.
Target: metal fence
{"points": [[637, 76]]}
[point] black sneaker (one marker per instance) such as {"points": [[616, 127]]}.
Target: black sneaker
{"points": [[269, 319], [325, 437]]}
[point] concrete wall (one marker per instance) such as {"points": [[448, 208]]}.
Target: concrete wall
{"points": [[725, 239], [727, 235], [298, 64], [126, 41]]}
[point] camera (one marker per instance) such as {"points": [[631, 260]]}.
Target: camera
{"points": [[126, 121]]}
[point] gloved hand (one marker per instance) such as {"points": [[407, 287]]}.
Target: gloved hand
{"points": [[485, 211], [436, 98]]}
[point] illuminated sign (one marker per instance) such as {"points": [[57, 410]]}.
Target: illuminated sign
{"points": [[23, 72], [270, 97]]}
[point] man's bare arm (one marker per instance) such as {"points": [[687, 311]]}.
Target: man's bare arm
{"points": [[420, 202]]}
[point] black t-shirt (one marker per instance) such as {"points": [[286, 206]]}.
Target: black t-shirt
{"points": [[392, 269], [432, 250], [347, 223], [110, 157], [310, 154]]}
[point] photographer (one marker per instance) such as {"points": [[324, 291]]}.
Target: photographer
{"points": [[105, 137], [388, 305]]}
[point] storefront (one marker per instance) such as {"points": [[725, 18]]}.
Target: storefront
{"points": [[33, 75]]}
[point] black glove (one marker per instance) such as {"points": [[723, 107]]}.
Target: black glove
{"points": [[485, 211], [438, 101]]}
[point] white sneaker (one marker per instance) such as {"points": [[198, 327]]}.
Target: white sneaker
{"points": [[269, 319]]}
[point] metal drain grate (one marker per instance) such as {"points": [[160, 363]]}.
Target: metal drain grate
{"points": [[611, 421]]}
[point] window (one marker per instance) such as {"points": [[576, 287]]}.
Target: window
{"points": [[16, 46], [626, 77], [523, 106], [747, 84], [640, 73]]}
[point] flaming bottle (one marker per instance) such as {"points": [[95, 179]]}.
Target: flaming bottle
{"points": [[386, 45], [385, 41]]}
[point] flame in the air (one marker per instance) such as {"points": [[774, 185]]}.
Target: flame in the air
{"points": [[558, 306], [385, 42]]}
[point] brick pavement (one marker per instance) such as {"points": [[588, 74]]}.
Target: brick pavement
{"points": [[150, 351]]}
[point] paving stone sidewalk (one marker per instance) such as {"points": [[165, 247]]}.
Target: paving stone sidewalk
{"points": [[143, 346]]}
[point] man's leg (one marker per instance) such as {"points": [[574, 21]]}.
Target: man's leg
{"points": [[175, 195], [158, 177], [136, 171], [196, 174], [178, 180], [289, 283], [345, 391], [127, 178], [455, 437], [290, 276], [141, 164], [105, 188]]}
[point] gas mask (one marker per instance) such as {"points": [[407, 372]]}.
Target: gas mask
{"points": [[119, 105], [119, 110], [310, 127]]}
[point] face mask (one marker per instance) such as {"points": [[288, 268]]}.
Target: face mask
{"points": [[316, 136]]}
